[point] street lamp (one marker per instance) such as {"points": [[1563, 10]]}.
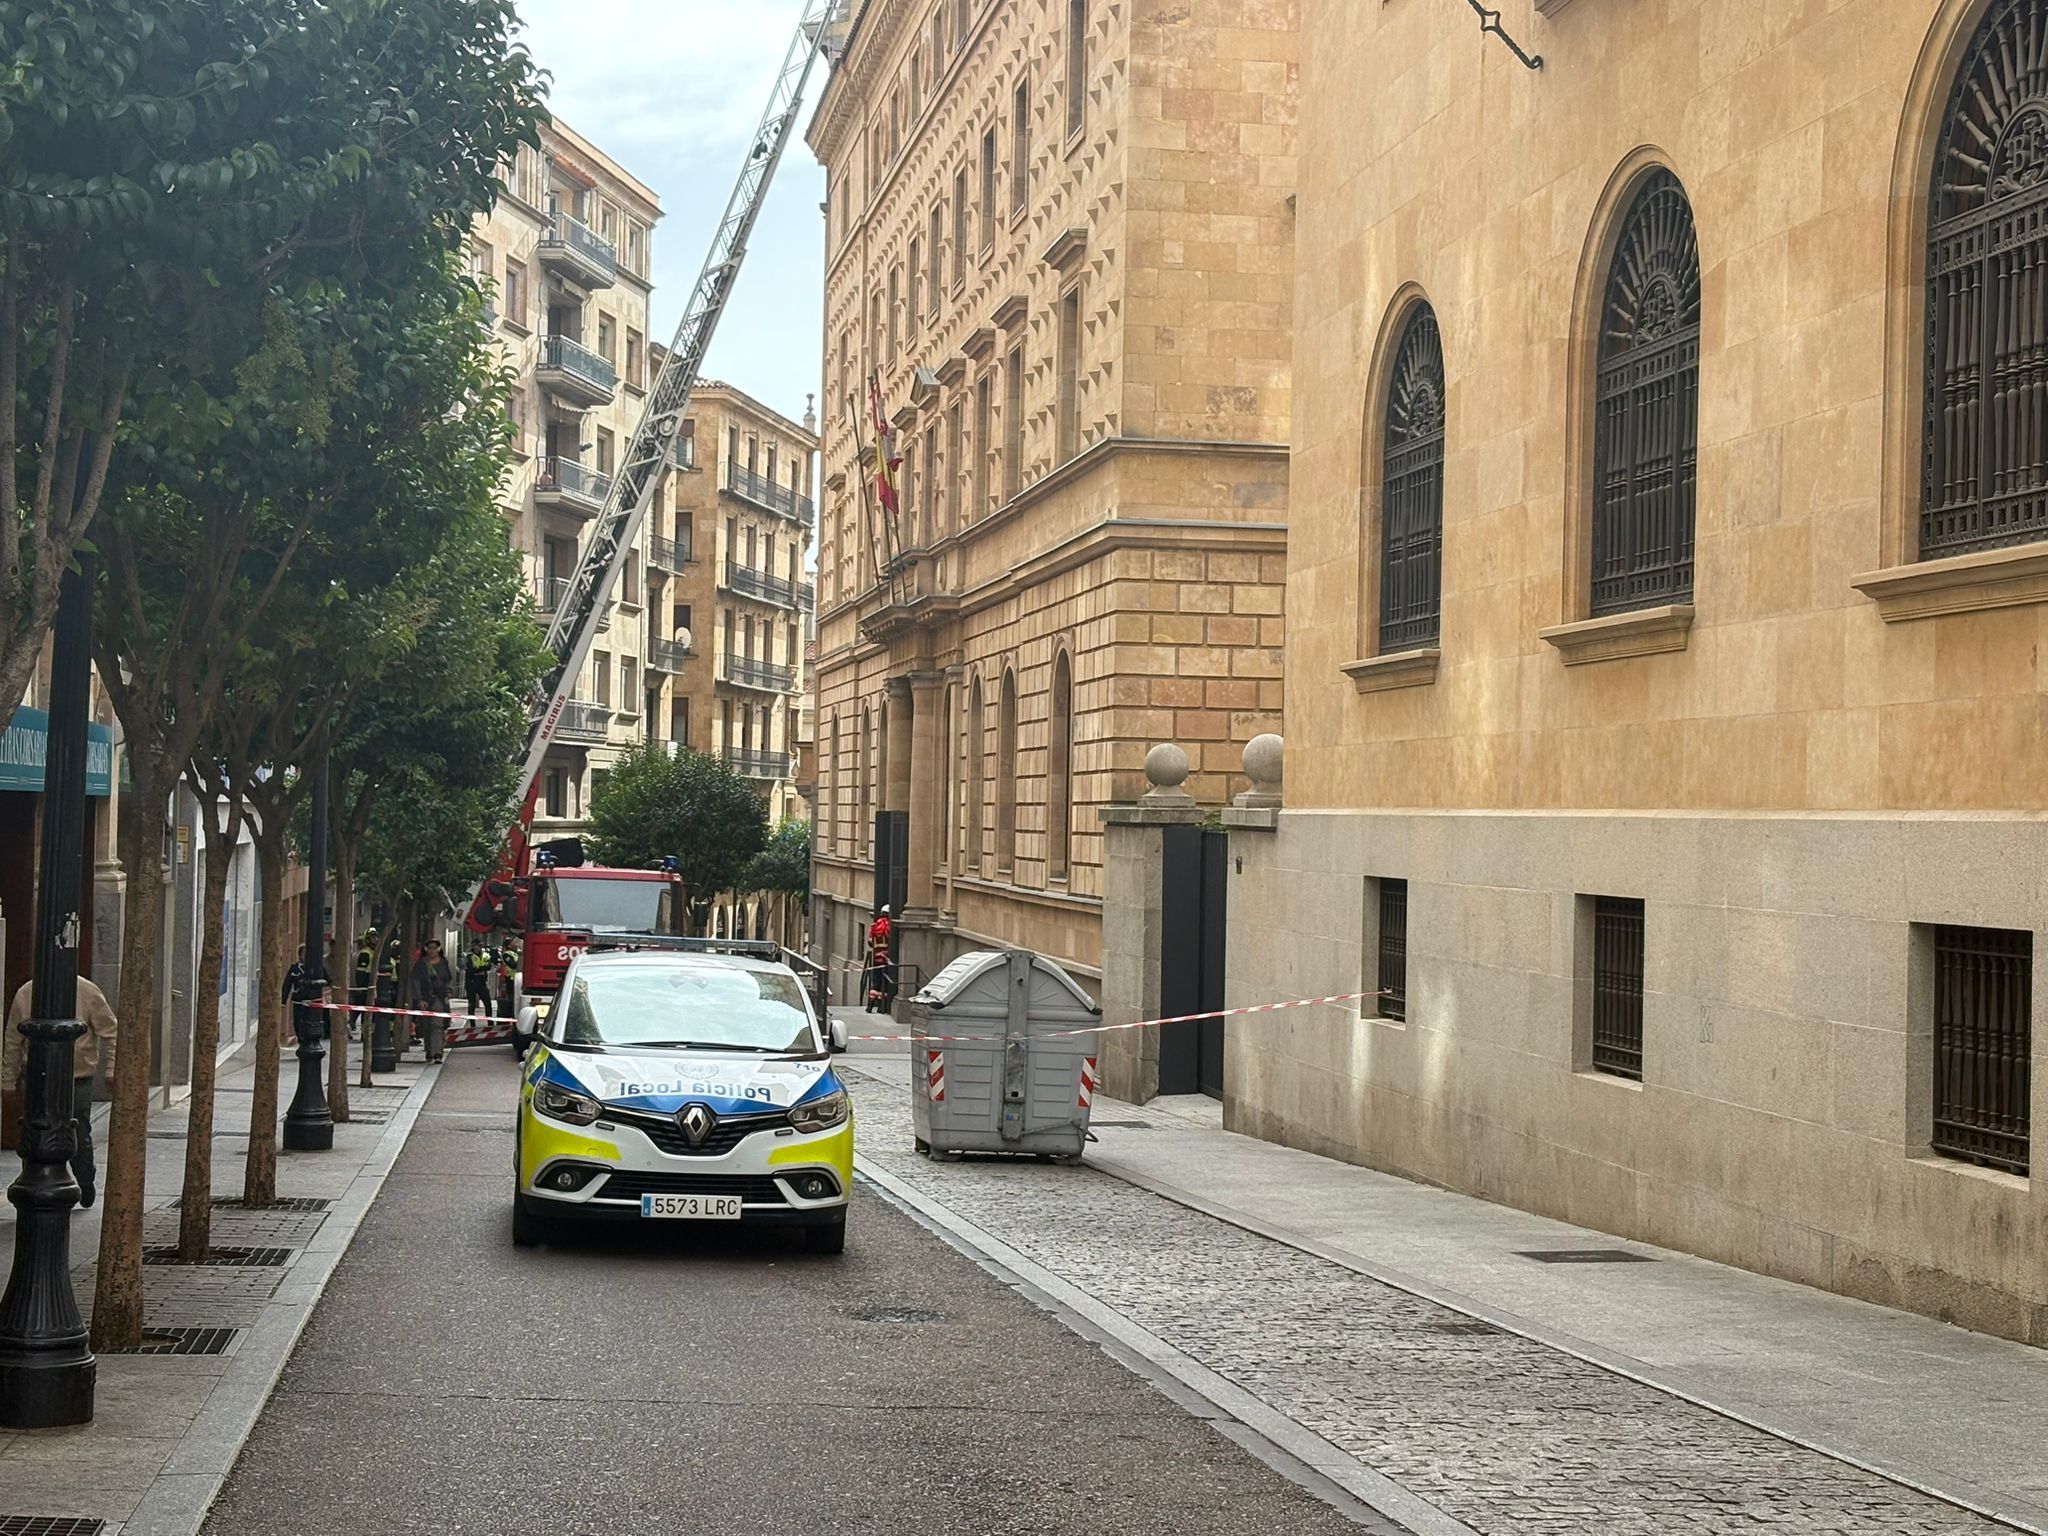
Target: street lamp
{"points": [[47, 1370], [308, 1127]]}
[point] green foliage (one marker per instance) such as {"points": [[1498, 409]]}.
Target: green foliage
{"points": [[688, 804], [783, 867]]}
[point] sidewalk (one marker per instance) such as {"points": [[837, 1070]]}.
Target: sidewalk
{"points": [[1465, 1366], [168, 1425]]}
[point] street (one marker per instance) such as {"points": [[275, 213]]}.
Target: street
{"points": [[701, 1382]]}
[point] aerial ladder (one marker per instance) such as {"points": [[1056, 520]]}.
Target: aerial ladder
{"points": [[579, 609]]}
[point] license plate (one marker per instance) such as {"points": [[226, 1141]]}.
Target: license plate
{"points": [[691, 1207]]}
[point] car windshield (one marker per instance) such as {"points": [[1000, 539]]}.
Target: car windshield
{"points": [[608, 906], [712, 1007]]}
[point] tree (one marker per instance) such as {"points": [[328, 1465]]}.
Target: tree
{"points": [[687, 804], [781, 871]]}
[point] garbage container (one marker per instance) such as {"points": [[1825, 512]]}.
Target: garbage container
{"points": [[1015, 1084]]}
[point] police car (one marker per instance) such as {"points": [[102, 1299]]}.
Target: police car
{"points": [[684, 1082]]}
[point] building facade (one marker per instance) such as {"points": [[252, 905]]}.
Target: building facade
{"points": [[567, 251], [1668, 585], [730, 595], [1059, 265]]}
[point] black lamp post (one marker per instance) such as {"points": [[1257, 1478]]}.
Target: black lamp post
{"points": [[308, 1127], [46, 1368]]}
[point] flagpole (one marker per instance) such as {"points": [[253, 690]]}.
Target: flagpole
{"points": [[869, 517]]}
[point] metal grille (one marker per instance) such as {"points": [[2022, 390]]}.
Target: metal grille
{"points": [[1412, 496], [1985, 472], [282, 1203], [1618, 986], [728, 1133], [630, 1184], [49, 1525], [182, 1341], [1983, 1037], [1393, 972], [1585, 1256], [1646, 431], [224, 1258]]}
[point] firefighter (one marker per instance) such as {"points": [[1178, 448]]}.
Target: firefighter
{"points": [[390, 989], [881, 973], [477, 966], [361, 984]]}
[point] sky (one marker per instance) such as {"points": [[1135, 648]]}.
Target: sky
{"points": [[673, 91]]}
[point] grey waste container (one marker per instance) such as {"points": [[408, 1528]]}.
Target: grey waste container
{"points": [[1022, 1086]]}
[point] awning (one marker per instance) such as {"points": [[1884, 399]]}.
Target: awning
{"points": [[24, 746]]}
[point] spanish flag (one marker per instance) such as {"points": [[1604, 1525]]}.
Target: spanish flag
{"points": [[887, 459]]}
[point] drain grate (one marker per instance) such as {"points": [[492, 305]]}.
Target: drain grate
{"points": [[181, 1341], [1586, 1256], [367, 1117], [1124, 1125], [889, 1314], [286, 1203], [180, 1135], [224, 1258], [1472, 1326], [49, 1525]]}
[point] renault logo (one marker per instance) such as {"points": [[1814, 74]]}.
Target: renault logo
{"points": [[696, 1121]]}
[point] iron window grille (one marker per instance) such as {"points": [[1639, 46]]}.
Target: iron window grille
{"points": [[1985, 459], [1983, 1037], [1646, 427], [1618, 986], [1412, 490], [1393, 956]]}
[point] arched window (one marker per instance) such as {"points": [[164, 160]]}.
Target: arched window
{"points": [[1059, 776], [973, 779], [864, 749], [1647, 404], [832, 790], [1987, 296], [1006, 776], [1412, 490]]}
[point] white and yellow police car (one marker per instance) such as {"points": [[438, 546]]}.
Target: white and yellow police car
{"points": [[683, 1084]]}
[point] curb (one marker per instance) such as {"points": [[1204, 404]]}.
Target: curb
{"points": [[182, 1494], [1379, 1505]]}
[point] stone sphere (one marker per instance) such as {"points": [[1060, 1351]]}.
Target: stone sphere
{"points": [[1263, 756], [1166, 766]]}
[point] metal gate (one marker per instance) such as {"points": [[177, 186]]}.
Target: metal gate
{"points": [[892, 859], [1193, 908]]}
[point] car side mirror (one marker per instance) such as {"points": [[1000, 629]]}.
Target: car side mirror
{"points": [[835, 1031], [529, 1023]]}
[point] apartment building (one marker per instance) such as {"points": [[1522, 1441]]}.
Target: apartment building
{"points": [[729, 591], [567, 252], [1059, 265], [1668, 582]]}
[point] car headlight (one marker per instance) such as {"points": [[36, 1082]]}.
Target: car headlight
{"points": [[820, 1113], [561, 1104]]}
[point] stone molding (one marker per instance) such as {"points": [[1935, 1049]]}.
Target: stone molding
{"points": [[1645, 632], [1065, 249], [953, 369], [1010, 312], [1142, 815], [1251, 818], [1395, 669], [1984, 578], [980, 344]]}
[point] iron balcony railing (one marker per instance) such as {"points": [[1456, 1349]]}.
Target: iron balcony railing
{"points": [[668, 554], [571, 481], [579, 362], [757, 765], [745, 672], [583, 721], [1983, 1045], [748, 582], [572, 238], [549, 592], [749, 485], [668, 655], [806, 596]]}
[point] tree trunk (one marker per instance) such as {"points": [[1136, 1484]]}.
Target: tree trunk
{"points": [[340, 973], [259, 1177], [195, 1203], [117, 1285]]}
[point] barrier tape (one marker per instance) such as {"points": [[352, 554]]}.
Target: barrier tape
{"points": [[402, 1013], [1105, 1029]]}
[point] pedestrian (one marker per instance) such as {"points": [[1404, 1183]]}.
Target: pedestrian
{"points": [[292, 979], [92, 1049], [391, 993], [476, 978], [881, 968], [362, 981], [508, 988], [432, 984]]}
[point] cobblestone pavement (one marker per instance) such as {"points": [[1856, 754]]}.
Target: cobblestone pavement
{"points": [[1509, 1436]]}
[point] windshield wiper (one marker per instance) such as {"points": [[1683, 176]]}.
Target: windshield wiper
{"points": [[701, 1045]]}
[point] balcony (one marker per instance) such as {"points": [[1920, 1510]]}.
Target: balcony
{"points": [[572, 372], [745, 672], [549, 592], [569, 249], [764, 493], [582, 721], [668, 555], [667, 655], [757, 765], [570, 487], [748, 582]]}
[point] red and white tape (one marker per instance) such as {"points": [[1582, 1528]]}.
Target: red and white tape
{"points": [[1104, 1029]]}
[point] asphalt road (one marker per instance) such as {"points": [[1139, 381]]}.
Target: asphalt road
{"points": [[682, 1382]]}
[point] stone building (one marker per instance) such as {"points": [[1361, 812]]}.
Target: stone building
{"points": [[567, 252], [1668, 595], [729, 590], [1060, 247]]}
